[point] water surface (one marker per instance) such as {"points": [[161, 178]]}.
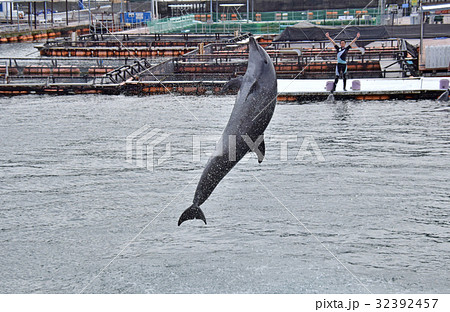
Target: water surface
{"points": [[69, 201]]}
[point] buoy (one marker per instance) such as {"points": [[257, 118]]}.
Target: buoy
{"points": [[373, 97], [287, 98], [99, 71], [12, 71], [36, 71], [66, 71]]}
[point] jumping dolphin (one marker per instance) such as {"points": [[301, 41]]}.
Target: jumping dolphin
{"points": [[252, 112]]}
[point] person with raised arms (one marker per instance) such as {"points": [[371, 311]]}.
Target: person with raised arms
{"points": [[341, 67]]}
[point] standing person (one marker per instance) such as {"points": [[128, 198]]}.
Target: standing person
{"points": [[341, 67]]}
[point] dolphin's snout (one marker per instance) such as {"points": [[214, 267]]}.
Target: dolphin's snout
{"points": [[252, 44], [255, 48]]}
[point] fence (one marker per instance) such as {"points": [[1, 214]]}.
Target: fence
{"points": [[261, 23], [172, 24], [315, 15]]}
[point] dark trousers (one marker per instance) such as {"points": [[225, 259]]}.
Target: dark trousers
{"points": [[341, 70]]}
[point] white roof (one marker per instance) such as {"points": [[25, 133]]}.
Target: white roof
{"points": [[436, 7], [181, 5], [231, 5]]}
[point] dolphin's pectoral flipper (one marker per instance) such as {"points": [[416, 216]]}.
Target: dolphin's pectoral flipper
{"points": [[193, 212], [234, 83], [253, 88], [262, 149]]}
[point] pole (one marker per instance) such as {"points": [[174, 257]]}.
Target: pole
{"points": [[382, 4], [45, 13], [67, 13], [35, 19], [248, 13], [51, 6], [421, 29], [153, 9], [11, 8], [217, 10], [121, 13], [90, 17], [253, 10], [211, 8], [29, 15], [112, 16], [18, 22]]}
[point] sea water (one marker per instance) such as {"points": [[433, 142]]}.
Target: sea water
{"points": [[353, 197]]}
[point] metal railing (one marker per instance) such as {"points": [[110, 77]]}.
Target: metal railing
{"points": [[264, 22], [171, 24], [125, 72]]}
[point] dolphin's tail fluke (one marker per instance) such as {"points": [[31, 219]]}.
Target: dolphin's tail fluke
{"points": [[193, 212]]}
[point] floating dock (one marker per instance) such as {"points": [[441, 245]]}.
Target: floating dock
{"points": [[61, 69], [367, 89], [42, 34], [130, 45], [289, 90], [301, 68]]}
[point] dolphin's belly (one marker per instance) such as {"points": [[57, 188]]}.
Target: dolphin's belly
{"points": [[253, 115]]}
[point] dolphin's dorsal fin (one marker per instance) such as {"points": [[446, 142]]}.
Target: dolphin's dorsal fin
{"points": [[234, 83], [262, 149]]}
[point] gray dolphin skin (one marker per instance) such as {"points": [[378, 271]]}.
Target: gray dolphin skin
{"points": [[252, 112]]}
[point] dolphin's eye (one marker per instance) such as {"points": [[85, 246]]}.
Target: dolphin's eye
{"points": [[265, 61]]}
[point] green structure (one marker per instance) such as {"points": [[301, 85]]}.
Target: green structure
{"points": [[262, 23]]}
